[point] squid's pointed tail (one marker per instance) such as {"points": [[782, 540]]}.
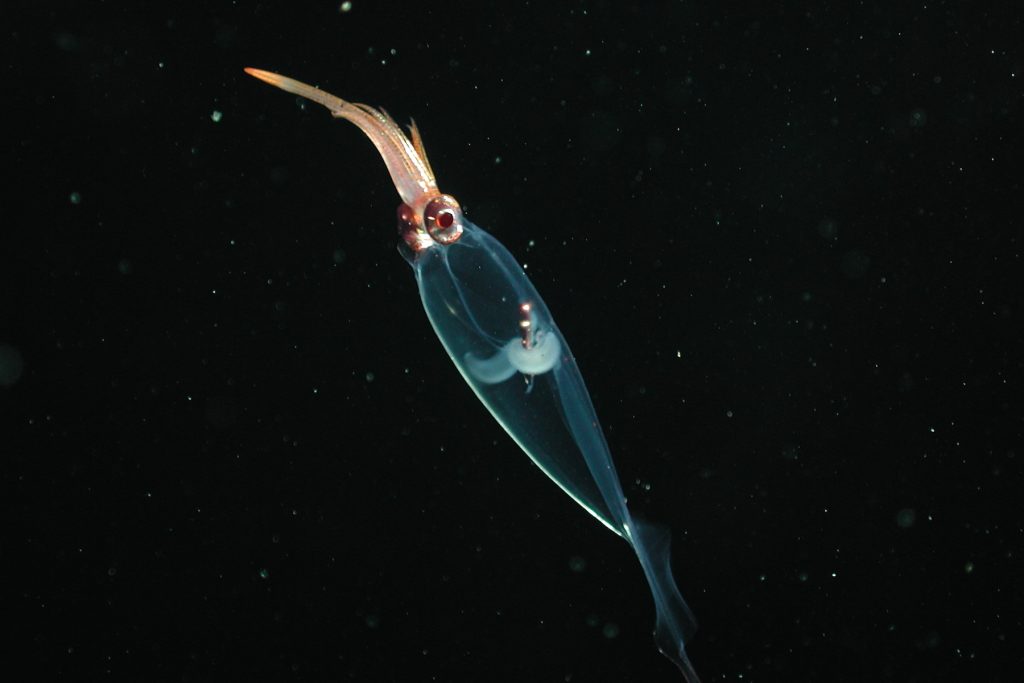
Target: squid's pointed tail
{"points": [[674, 624]]}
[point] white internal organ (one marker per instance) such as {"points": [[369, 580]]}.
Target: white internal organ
{"points": [[513, 357]]}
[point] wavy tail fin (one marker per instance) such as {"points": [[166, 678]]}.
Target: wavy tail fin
{"points": [[674, 624]]}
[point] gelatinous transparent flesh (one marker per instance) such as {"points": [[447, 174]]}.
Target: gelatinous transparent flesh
{"points": [[501, 336]]}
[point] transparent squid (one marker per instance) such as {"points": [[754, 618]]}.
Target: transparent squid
{"points": [[502, 338]]}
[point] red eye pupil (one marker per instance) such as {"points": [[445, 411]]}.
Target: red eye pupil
{"points": [[445, 219]]}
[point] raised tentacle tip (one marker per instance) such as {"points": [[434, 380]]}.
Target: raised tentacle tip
{"points": [[265, 76]]}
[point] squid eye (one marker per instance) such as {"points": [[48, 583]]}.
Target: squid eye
{"points": [[442, 218]]}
